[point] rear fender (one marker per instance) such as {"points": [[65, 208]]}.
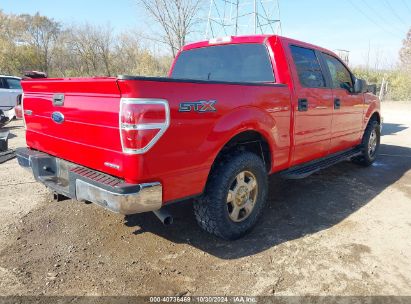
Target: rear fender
{"points": [[239, 121]]}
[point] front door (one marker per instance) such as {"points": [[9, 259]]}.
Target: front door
{"points": [[348, 107], [313, 106]]}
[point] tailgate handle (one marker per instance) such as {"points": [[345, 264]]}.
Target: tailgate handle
{"points": [[58, 99]]}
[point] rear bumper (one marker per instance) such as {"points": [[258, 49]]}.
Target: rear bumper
{"points": [[84, 184]]}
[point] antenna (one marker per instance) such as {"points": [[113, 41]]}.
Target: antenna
{"points": [[242, 17]]}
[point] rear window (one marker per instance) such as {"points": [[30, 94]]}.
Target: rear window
{"points": [[13, 84], [232, 63]]}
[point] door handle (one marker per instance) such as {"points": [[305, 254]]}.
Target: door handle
{"points": [[58, 99], [302, 105], [337, 103]]}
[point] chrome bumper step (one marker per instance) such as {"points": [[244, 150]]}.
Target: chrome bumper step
{"points": [[85, 184]]}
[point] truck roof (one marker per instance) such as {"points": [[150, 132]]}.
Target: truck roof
{"points": [[248, 39]]}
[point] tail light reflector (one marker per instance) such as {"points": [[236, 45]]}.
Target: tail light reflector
{"points": [[22, 111], [142, 123]]}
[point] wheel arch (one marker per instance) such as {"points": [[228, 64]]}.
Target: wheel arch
{"points": [[375, 116], [247, 140], [248, 129], [373, 107]]}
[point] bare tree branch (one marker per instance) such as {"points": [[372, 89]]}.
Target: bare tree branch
{"points": [[176, 18]]}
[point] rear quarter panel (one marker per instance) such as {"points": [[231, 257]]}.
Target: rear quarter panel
{"points": [[182, 158]]}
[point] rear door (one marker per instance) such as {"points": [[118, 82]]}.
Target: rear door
{"points": [[348, 107], [313, 106]]}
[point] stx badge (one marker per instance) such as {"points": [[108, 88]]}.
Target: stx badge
{"points": [[198, 106]]}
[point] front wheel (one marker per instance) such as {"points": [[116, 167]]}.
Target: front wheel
{"points": [[370, 144], [235, 196]]}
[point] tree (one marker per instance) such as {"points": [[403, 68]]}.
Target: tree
{"points": [[42, 33], [405, 53], [176, 18], [34, 42], [135, 59], [91, 48], [15, 53]]}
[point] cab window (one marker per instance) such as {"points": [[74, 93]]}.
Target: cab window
{"points": [[231, 63], [308, 67], [340, 76]]}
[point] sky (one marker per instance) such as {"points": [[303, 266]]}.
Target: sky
{"points": [[372, 30]]}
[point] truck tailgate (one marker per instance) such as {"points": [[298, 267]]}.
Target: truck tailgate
{"points": [[83, 128]]}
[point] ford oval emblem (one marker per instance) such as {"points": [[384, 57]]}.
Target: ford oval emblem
{"points": [[57, 117]]}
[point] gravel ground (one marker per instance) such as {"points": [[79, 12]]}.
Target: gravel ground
{"points": [[343, 231]]}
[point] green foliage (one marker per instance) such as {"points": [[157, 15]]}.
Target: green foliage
{"points": [[405, 53], [399, 81]]}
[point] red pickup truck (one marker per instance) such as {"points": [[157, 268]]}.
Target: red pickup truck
{"points": [[231, 112]]}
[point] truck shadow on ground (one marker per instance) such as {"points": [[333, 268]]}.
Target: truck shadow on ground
{"points": [[392, 128], [295, 207]]}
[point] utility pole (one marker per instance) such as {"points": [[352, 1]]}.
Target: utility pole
{"points": [[368, 56], [243, 17], [382, 89]]}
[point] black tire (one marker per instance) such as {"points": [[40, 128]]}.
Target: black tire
{"points": [[212, 208], [369, 155]]}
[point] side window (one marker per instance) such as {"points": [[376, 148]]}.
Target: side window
{"points": [[308, 67], [340, 76], [2, 84], [13, 84]]}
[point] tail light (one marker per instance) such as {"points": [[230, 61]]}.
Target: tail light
{"points": [[18, 108], [142, 123], [22, 111]]}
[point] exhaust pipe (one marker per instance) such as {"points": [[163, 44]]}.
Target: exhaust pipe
{"points": [[57, 197], [165, 217]]}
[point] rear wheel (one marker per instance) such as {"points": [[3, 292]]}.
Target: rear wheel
{"points": [[370, 144], [235, 196]]}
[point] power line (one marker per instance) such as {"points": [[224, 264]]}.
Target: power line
{"points": [[406, 5], [389, 6], [380, 16], [372, 20]]}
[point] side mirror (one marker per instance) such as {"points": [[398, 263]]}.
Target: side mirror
{"points": [[360, 86], [372, 88]]}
